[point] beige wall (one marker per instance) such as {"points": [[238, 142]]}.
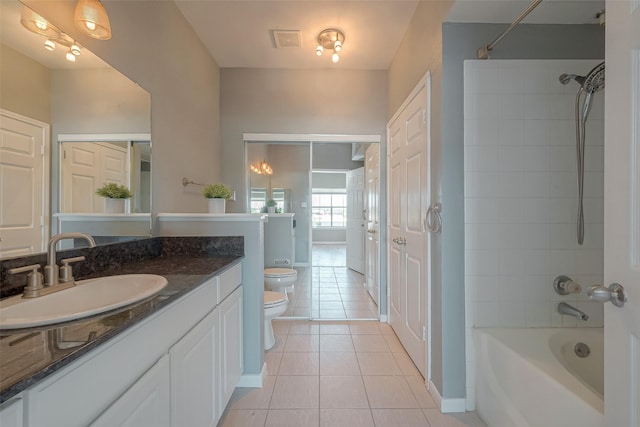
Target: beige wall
{"points": [[420, 51], [154, 46], [295, 101], [25, 85]]}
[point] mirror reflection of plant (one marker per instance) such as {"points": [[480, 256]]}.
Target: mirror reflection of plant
{"points": [[216, 191], [112, 190]]}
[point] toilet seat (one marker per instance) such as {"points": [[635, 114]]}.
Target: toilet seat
{"points": [[279, 272], [272, 299]]}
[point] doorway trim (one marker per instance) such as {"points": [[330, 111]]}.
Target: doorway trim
{"points": [[327, 138]]}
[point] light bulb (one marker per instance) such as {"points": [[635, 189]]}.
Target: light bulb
{"points": [[319, 50], [71, 57], [91, 26], [337, 46], [335, 58], [49, 45], [42, 25], [75, 49]]}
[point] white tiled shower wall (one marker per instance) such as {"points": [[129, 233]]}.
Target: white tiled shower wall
{"points": [[521, 196]]}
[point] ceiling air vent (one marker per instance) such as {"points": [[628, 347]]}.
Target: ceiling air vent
{"points": [[287, 38]]}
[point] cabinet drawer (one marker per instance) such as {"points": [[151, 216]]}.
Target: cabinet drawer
{"points": [[229, 280]]}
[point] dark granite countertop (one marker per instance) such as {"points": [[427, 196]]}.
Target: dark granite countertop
{"points": [[29, 355]]}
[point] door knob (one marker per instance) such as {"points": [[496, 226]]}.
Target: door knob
{"points": [[614, 293]]}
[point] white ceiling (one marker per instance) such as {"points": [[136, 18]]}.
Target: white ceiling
{"points": [[237, 32], [506, 11]]}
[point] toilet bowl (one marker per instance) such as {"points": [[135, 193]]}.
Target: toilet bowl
{"points": [[275, 303], [280, 279]]}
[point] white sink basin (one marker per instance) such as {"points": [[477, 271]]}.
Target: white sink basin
{"points": [[88, 297]]}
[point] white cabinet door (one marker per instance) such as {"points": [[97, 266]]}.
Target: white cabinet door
{"points": [[146, 403], [11, 413], [231, 366], [194, 367]]}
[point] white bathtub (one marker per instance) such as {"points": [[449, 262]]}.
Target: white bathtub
{"points": [[532, 377]]}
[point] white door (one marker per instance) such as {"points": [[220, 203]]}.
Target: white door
{"points": [[24, 185], [355, 220], [372, 196], [86, 166], [622, 212], [408, 197]]}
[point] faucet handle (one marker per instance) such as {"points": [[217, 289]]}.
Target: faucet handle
{"points": [[66, 272], [565, 286], [34, 279]]}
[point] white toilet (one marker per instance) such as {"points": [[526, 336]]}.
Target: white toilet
{"points": [[275, 303], [280, 279]]}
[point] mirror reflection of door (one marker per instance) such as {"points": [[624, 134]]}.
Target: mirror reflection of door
{"points": [[87, 166], [24, 181]]}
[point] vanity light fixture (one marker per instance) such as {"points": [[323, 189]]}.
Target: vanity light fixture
{"points": [[91, 17], [75, 49], [49, 45], [330, 39], [70, 56], [37, 24]]}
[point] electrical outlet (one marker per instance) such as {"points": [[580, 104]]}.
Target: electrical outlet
{"points": [[303, 204]]}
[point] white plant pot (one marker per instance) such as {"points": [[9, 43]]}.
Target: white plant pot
{"points": [[217, 206], [271, 209], [114, 205]]}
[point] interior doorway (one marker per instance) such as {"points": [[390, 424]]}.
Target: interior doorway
{"points": [[326, 289]]}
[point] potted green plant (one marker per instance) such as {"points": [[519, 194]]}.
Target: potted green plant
{"points": [[271, 206], [115, 196], [217, 195]]}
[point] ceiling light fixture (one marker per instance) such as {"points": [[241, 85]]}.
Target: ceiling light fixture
{"points": [[91, 17], [75, 49], [261, 168], [331, 39], [70, 56]]}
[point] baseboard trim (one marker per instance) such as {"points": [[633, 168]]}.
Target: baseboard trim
{"points": [[253, 380], [447, 406]]}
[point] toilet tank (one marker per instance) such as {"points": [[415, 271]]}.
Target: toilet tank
{"points": [[279, 241]]}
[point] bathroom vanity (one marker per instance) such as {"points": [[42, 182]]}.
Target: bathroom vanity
{"points": [[172, 360]]}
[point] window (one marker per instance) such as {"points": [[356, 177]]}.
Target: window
{"points": [[258, 199], [329, 209]]}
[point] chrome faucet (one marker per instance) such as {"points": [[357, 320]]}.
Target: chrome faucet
{"points": [[51, 270], [569, 310]]}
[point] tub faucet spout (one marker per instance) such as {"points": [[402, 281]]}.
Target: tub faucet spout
{"points": [[569, 310]]}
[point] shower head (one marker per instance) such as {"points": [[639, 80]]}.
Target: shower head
{"points": [[594, 81], [591, 83]]}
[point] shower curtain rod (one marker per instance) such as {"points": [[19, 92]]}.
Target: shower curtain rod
{"points": [[483, 52]]}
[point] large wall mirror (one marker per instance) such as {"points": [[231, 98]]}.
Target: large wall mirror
{"points": [[84, 109]]}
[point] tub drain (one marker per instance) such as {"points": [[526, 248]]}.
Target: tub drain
{"points": [[582, 350]]}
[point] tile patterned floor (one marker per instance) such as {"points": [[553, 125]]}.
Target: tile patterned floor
{"points": [[339, 373], [329, 290]]}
